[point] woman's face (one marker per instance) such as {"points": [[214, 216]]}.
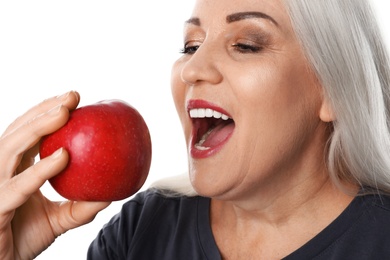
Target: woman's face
{"points": [[247, 99]]}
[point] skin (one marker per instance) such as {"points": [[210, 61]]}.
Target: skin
{"points": [[268, 184], [29, 222], [269, 181]]}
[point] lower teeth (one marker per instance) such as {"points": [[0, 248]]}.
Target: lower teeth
{"points": [[200, 147], [204, 137]]}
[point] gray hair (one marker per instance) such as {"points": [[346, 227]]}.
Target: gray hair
{"points": [[343, 43]]}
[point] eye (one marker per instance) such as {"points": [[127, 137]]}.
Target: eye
{"points": [[190, 48], [246, 48]]}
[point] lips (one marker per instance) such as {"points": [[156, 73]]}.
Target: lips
{"points": [[212, 128]]}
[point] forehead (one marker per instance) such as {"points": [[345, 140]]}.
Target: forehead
{"points": [[209, 14], [212, 10]]}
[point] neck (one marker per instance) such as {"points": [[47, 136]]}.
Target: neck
{"points": [[300, 212], [281, 205]]}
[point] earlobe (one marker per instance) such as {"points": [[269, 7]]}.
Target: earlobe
{"points": [[326, 112]]}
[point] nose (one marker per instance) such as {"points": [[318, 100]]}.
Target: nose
{"points": [[202, 66]]}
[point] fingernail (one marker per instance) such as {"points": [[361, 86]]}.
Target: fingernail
{"points": [[57, 153], [55, 110]]}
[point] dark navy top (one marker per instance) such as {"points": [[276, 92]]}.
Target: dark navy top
{"points": [[153, 226]]}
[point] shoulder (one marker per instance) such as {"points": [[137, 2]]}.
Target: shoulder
{"points": [[148, 215], [367, 230], [157, 200], [379, 202], [376, 215], [375, 211], [362, 231], [368, 218], [146, 206]]}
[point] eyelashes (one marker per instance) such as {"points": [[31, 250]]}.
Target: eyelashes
{"points": [[239, 47], [247, 48], [189, 49]]}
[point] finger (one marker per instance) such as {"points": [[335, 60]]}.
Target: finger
{"points": [[18, 189], [28, 159], [73, 214], [14, 145], [69, 100]]}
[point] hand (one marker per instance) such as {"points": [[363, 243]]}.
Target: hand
{"points": [[29, 222]]}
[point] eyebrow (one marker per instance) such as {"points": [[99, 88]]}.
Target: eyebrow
{"points": [[248, 15], [237, 17]]}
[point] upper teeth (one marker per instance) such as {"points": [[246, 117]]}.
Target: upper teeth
{"points": [[207, 112]]}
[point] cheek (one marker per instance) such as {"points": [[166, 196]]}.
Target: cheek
{"points": [[279, 108], [278, 90]]}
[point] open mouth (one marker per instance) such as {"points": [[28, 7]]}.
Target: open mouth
{"points": [[211, 129]]}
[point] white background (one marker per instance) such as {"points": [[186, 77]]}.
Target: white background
{"points": [[103, 49]]}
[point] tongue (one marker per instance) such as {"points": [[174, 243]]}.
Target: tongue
{"points": [[219, 134]]}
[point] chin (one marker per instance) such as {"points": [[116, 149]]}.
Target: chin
{"points": [[207, 186]]}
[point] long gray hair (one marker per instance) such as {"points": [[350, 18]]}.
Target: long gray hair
{"points": [[343, 43]]}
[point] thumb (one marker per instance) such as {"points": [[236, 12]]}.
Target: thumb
{"points": [[78, 213]]}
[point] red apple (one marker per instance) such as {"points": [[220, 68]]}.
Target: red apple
{"points": [[110, 152]]}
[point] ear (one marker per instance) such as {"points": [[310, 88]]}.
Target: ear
{"points": [[326, 112]]}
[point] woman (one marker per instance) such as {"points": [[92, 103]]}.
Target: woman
{"points": [[284, 109]]}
